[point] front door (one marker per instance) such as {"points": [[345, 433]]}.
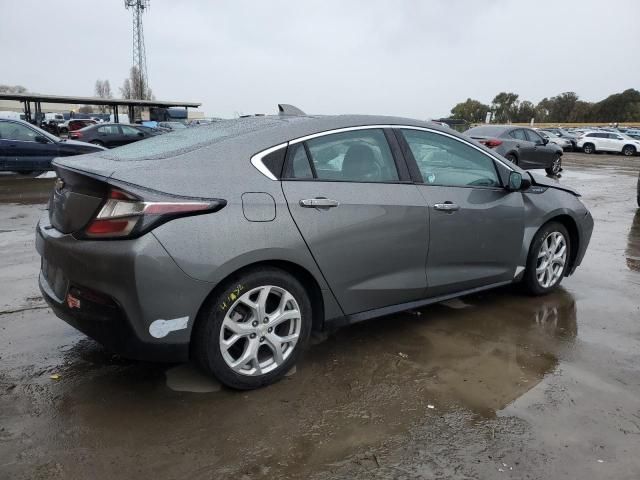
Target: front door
{"points": [[543, 154], [22, 152], [476, 226], [365, 227]]}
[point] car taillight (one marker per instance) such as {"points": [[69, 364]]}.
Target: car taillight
{"points": [[125, 215], [491, 142], [75, 135]]}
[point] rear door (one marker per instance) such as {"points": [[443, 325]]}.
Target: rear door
{"points": [[476, 226], [362, 218], [526, 149], [110, 135]]}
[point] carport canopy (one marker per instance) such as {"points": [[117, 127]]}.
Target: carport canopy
{"points": [[37, 99]]}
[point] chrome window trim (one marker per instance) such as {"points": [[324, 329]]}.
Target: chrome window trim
{"points": [[256, 160]]}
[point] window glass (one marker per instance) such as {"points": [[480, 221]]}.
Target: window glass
{"points": [[15, 131], [300, 166], [518, 134], [534, 137], [129, 131], [109, 130], [447, 161], [356, 156]]}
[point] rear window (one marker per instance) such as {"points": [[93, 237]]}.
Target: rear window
{"points": [[482, 131], [186, 140]]}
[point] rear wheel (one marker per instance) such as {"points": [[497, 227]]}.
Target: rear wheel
{"points": [[97, 142], [254, 330], [588, 148], [628, 150], [556, 166], [512, 158], [548, 259]]}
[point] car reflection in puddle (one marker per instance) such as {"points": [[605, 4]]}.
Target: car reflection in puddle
{"points": [[361, 385]]}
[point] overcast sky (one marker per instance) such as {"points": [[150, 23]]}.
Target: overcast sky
{"points": [[410, 58]]}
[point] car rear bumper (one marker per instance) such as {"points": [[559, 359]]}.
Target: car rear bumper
{"points": [[113, 291]]}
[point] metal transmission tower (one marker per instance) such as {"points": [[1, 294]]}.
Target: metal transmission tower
{"points": [[138, 7]]}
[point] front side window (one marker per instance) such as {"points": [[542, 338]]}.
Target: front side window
{"points": [[534, 137], [447, 161], [15, 131], [129, 131], [355, 156]]}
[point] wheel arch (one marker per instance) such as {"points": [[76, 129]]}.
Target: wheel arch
{"points": [[301, 274], [574, 237]]}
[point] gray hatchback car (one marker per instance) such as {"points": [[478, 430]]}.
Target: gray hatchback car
{"points": [[231, 242]]}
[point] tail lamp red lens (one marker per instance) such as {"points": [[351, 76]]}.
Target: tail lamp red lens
{"points": [[123, 214], [491, 142]]}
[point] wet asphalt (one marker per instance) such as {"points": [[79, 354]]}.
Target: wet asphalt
{"points": [[494, 385]]}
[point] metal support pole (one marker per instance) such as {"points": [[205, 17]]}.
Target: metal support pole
{"points": [[115, 114], [131, 114]]}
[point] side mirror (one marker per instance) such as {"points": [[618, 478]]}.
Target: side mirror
{"points": [[41, 139], [517, 182], [545, 141]]}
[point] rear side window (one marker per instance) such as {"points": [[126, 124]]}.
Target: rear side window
{"points": [[300, 166], [446, 161], [109, 130], [518, 134], [355, 156]]}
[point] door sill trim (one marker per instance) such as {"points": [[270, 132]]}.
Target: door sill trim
{"points": [[381, 312]]}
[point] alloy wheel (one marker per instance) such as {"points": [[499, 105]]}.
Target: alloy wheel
{"points": [[551, 259], [260, 330], [628, 151], [556, 166]]}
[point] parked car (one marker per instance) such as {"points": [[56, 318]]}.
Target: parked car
{"points": [[563, 143], [111, 134], [25, 148], [75, 124], [232, 242], [593, 142], [172, 125], [153, 131], [564, 133], [522, 146]]}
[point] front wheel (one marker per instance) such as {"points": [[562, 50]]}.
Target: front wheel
{"points": [[97, 142], [556, 166], [588, 148], [254, 330], [548, 259]]}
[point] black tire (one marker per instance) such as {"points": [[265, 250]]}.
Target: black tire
{"points": [[628, 150], [206, 336], [556, 166], [589, 148], [512, 158], [530, 279], [97, 142]]}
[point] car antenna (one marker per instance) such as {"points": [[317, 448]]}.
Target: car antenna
{"points": [[285, 109]]}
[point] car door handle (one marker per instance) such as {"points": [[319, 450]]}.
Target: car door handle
{"points": [[319, 202], [447, 207]]}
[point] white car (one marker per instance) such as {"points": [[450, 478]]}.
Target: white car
{"points": [[563, 143], [608, 142]]}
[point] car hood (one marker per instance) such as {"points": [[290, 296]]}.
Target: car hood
{"points": [[544, 181]]}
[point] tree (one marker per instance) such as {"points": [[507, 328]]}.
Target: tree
{"points": [[561, 106], [85, 109], [619, 107], [526, 111], [505, 106], [472, 111], [133, 86], [12, 89], [103, 90]]}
